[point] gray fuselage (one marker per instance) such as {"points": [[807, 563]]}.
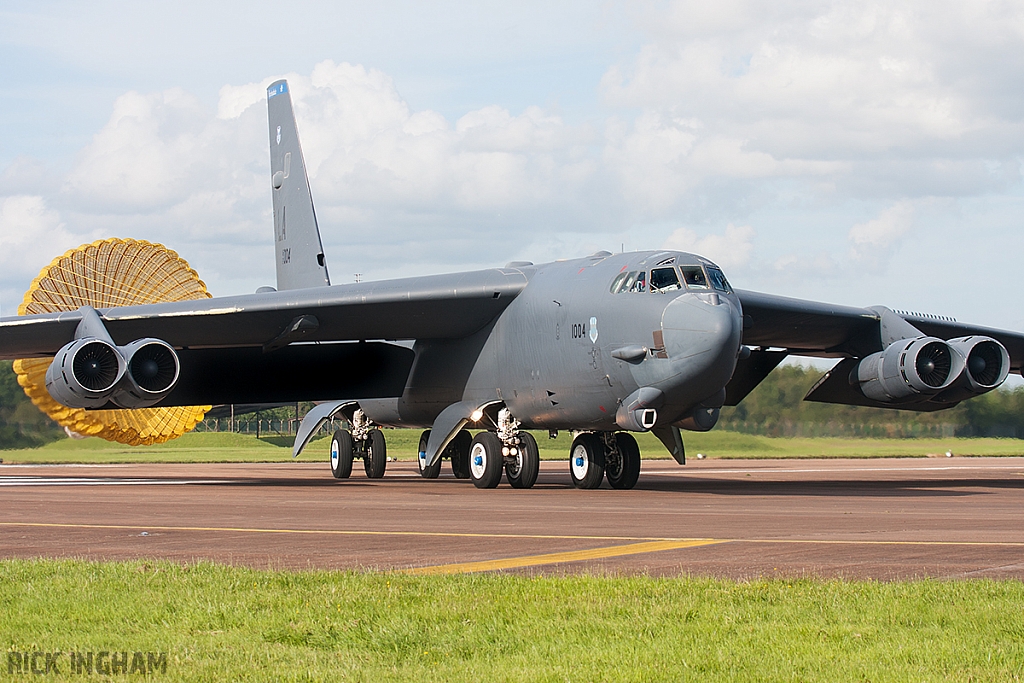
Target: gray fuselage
{"points": [[548, 356]]}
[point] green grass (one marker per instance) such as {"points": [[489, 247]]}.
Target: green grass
{"points": [[220, 623], [402, 443]]}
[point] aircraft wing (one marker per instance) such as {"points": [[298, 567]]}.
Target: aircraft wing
{"points": [[442, 306], [778, 326], [809, 328], [310, 344]]}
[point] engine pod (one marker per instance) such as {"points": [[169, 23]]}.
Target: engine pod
{"points": [[908, 368], [987, 362], [85, 373], [152, 372]]}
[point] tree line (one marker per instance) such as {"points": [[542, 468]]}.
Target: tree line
{"points": [[775, 408]]}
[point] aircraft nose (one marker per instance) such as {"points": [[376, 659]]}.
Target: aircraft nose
{"points": [[703, 331]]}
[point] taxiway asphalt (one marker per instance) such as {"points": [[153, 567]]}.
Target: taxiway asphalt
{"points": [[880, 518]]}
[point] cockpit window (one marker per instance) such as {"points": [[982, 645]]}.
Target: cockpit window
{"points": [[629, 282], [641, 282], [694, 278], [718, 280], [664, 280], [617, 283]]}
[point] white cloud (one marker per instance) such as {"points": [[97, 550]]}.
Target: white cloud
{"points": [[802, 118], [31, 235], [873, 240], [731, 249], [841, 87]]}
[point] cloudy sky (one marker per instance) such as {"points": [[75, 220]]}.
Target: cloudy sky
{"points": [[855, 152]]}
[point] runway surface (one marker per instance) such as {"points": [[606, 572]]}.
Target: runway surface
{"points": [[881, 519]]}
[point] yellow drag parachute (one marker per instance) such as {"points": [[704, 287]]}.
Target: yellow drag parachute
{"points": [[105, 274]]}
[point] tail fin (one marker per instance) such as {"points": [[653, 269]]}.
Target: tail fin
{"points": [[297, 248]]}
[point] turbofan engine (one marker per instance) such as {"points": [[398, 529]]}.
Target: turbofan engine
{"points": [[85, 373], [986, 366], [90, 372], [152, 373], [908, 368]]}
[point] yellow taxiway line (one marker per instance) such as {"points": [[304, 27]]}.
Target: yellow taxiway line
{"points": [[557, 558], [341, 532], [627, 545]]}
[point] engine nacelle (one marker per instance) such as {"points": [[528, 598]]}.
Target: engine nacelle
{"points": [[923, 366], [987, 363], [152, 373], [85, 373], [90, 372]]}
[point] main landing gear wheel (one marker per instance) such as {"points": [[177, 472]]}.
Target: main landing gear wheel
{"points": [[342, 450], [521, 470], [586, 461], [376, 457], [485, 460], [623, 471], [432, 471], [458, 452]]}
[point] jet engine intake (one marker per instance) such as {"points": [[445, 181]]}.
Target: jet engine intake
{"points": [[907, 368], [90, 372], [85, 373], [152, 373], [987, 363]]}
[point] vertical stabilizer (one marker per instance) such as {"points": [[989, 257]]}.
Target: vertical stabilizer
{"points": [[298, 251]]}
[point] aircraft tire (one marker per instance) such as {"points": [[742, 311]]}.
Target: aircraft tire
{"points": [[627, 470], [458, 453], [485, 460], [523, 474], [435, 469], [376, 459], [586, 461], [342, 450]]}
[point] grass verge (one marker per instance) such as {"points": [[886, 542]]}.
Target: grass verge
{"points": [[402, 443], [221, 623]]}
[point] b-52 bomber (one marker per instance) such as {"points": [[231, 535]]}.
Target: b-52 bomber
{"points": [[605, 346]]}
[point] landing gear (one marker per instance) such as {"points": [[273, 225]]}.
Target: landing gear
{"points": [[594, 456], [342, 450], [431, 471], [586, 461], [375, 457], [458, 452], [364, 441], [521, 469], [622, 460], [485, 460]]}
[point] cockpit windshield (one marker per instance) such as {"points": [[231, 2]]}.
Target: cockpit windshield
{"points": [[718, 280], [664, 280], [694, 277]]}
